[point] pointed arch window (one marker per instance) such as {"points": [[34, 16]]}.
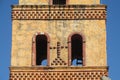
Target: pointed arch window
{"points": [[41, 50], [76, 50]]}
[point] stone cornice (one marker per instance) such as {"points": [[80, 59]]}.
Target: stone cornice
{"points": [[88, 68]]}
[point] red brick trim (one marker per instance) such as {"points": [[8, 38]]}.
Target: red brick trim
{"points": [[69, 47], [34, 48], [50, 2]]}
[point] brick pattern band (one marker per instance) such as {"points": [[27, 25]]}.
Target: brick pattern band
{"points": [[53, 74], [61, 12]]}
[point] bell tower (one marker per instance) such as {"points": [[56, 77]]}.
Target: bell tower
{"points": [[58, 40]]}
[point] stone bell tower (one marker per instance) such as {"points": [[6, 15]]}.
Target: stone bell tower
{"points": [[58, 40]]}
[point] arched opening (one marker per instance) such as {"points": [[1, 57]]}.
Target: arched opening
{"points": [[41, 50], [59, 2], [76, 50]]}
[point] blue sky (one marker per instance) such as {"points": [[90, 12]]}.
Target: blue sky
{"points": [[113, 37]]}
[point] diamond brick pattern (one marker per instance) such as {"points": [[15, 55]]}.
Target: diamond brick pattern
{"points": [[57, 75], [57, 13], [58, 62]]}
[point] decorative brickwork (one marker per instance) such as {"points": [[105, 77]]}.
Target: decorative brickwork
{"points": [[58, 61], [68, 12], [57, 75], [67, 74]]}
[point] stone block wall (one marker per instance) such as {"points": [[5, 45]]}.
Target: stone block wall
{"points": [[93, 30]]}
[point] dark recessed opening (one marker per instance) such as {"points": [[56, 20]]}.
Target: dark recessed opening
{"points": [[59, 2], [41, 50], [77, 50]]}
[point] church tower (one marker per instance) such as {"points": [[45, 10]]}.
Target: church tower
{"points": [[58, 40]]}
